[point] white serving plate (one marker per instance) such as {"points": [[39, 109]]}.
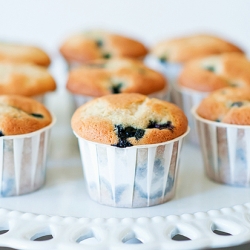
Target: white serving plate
{"points": [[63, 209]]}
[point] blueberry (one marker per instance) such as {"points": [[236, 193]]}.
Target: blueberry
{"points": [[139, 134], [106, 55], [217, 120], [123, 144], [125, 133], [163, 59], [37, 115], [116, 88], [99, 43], [210, 68], [1, 133], [167, 125], [236, 104]]}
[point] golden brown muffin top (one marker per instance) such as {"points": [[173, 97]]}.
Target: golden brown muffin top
{"points": [[227, 105], [215, 72], [21, 115], [96, 44], [20, 53], [117, 75], [124, 120], [25, 79], [183, 49]]}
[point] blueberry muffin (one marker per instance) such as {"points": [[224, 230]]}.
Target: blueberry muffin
{"points": [[25, 126], [125, 120], [25, 79], [22, 115], [228, 105], [96, 44], [183, 49], [223, 125], [215, 72], [116, 75], [20, 53], [130, 148]]}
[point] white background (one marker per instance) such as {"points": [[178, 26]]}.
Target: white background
{"points": [[47, 22]]}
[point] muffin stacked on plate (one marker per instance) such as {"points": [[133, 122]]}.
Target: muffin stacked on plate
{"points": [[223, 121], [97, 44], [24, 133], [130, 148], [23, 71]]}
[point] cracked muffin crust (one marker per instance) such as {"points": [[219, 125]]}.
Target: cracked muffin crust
{"points": [[215, 72], [21, 115], [20, 53], [95, 44], [227, 105], [25, 79], [183, 49], [118, 75], [125, 120]]}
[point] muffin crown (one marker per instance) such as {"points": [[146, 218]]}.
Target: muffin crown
{"points": [[125, 120], [181, 50], [10, 52], [228, 105], [96, 44], [118, 75], [25, 79], [21, 115], [215, 72]]}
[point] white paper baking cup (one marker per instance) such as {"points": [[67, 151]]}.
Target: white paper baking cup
{"points": [[82, 99], [186, 99], [137, 176], [170, 70], [23, 161], [225, 151]]}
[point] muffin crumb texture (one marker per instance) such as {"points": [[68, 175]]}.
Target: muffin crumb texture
{"points": [[125, 120]]}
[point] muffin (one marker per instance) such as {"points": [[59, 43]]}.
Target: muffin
{"points": [[170, 55], [130, 147], [24, 133], [21, 53], [184, 49], [25, 79], [117, 75], [200, 77], [223, 122], [97, 44]]}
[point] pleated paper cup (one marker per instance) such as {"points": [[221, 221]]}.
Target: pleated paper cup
{"points": [[170, 70], [79, 100], [23, 162], [137, 176], [225, 151], [186, 99]]}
